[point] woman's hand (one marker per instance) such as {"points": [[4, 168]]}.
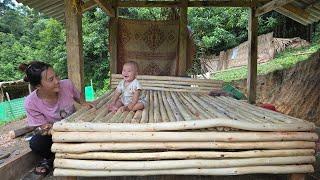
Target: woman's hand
{"points": [[44, 129]]}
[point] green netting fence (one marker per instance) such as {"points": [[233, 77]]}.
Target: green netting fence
{"points": [[11, 110]]}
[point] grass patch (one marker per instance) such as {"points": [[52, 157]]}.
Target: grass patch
{"points": [[283, 60]]}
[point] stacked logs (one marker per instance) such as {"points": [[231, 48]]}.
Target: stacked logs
{"points": [[232, 138]]}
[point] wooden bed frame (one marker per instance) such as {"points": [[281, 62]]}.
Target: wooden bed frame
{"points": [[182, 131]]}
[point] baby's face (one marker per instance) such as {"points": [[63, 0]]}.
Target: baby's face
{"points": [[129, 72]]}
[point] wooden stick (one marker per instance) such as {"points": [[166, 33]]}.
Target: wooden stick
{"points": [[113, 146], [163, 113], [181, 136], [166, 105], [174, 108], [186, 115], [21, 131], [165, 78], [129, 117], [122, 117], [156, 108], [151, 108], [182, 125], [145, 111], [203, 113], [179, 164], [283, 169], [137, 117], [186, 154]]}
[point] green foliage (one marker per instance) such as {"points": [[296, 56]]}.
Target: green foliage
{"points": [[95, 40], [283, 60]]}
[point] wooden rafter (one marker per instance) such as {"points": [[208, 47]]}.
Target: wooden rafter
{"points": [[298, 11], [106, 6], [272, 5], [88, 5], [213, 3]]}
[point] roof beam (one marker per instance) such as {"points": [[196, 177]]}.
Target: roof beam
{"points": [[272, 5], [298, 11], [212, 3], [88, 5], [106, 6], [293, 16]]}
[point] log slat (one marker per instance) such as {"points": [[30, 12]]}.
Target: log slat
{"points": [[284, 169]]}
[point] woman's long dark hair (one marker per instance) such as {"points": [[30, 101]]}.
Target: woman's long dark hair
{"points": [[33, 71]]}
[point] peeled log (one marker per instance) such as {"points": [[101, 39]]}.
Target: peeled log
{"points": [[179, 164], [181, 136], [87, 147], [181, 125], [186, 154], [284, 169]]}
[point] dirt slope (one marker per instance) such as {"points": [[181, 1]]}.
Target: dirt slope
{"points": [[294, 91]]}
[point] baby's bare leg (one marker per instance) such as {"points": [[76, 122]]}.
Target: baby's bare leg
{"points": [[138, 106]]}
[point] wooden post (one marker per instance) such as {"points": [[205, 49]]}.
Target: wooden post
{"points": [[113, 29], [73, 15], [183, 38], [252, 58]]}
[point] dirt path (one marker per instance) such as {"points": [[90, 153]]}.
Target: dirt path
{"points": [[11, 146]]}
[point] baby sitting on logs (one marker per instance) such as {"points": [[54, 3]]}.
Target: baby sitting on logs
{"points": [[128, 96]]}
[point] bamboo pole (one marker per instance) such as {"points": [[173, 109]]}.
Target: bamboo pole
{"points": [[182, 125], [137, 117], [181, 136], [179, 164], [163, 112], [171, 116], [279, 116], [187, 154], [174, 108], [242, 114], [122, 117], [88, 116], [193, 110], [172, 78], [249, 113], [129, 117], [203, 113], [181, 83], [145, 111], [185, 114], [113, 146], [77, 114], [103, 99], [206, 107], [156, 108], [283, 169], [107, 117], [151, 108], [116, 116], [221, 111]]}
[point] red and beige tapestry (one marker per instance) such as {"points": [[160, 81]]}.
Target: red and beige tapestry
{"points": [[152, 44]]}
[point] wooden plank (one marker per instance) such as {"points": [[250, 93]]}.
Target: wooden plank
{"points": [[253, 56], [271, 6], [19, 166], [106, 7], [183, 39], [74, 45]]}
